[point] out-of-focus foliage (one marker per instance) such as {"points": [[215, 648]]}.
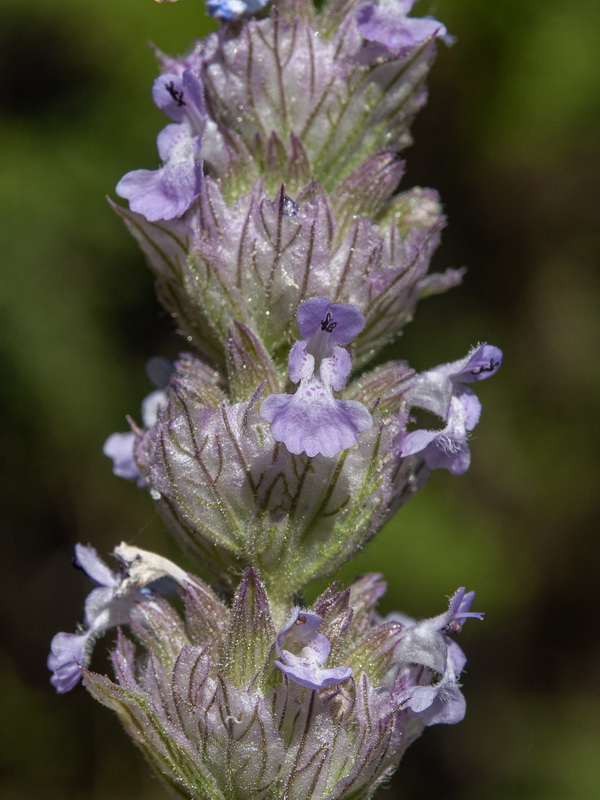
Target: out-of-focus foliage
{"points": [[510, 138]]}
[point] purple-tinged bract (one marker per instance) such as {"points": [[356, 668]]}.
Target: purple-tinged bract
{"points": [[236, 498]]}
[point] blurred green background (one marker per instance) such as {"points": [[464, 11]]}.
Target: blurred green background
{"points": [[511, 139]]}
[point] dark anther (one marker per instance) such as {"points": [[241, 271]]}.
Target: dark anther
{"points": [[452, 627], [176, 94], [327, 324], [489, 367]]}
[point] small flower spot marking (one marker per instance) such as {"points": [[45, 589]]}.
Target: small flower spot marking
{"points": [[176, 94], [491, 366]]}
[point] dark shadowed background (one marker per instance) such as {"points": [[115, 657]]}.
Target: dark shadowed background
{"points": [[511, 139]]}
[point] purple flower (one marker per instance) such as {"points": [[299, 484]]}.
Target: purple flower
{"points": [[120, 446], [68, 652], [105, 607], [442, 391], [226, 10], [169, 191], [110, 604], [447, 448], [388, 23], [435, 388], [303, 652], [434, 692], [459, 610], [440, 701], [312, 421]]}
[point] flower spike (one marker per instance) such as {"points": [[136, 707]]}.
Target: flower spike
{"points": [[277, 202]]}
